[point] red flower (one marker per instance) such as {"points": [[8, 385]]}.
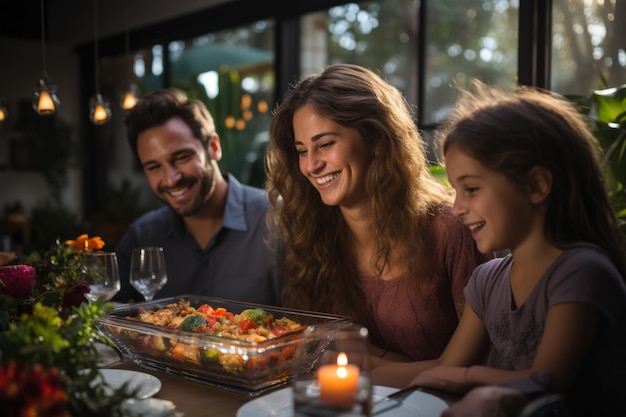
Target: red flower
{"points": [[17, 280], [75, 294], [32, 391]]}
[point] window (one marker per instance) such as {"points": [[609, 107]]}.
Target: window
{"points": [[588, 45], [478, 39]]}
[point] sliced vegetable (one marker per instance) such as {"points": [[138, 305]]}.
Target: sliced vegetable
{"points": [[246, 325], [258, 315], [192, 322], [210, 356]]}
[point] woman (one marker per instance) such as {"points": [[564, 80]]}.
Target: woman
{"points": [[369, 229]]}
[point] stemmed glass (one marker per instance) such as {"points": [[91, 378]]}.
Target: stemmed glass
{"points": [[101, 274], [147, 271]]}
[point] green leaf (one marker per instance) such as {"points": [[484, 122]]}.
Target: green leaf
{"points": [[610, 105]]}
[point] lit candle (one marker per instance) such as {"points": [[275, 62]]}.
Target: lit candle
{"points": [[338, 383]]}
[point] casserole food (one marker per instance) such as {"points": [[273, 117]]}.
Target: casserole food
{"points": [[250, 366]]}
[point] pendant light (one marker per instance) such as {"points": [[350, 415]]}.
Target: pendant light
{"points": [[4, 114], [99, 108], [45, 101], [129, 99]]}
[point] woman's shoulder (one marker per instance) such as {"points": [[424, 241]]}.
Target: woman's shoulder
{"points": [[451, 233], [441, 219]]}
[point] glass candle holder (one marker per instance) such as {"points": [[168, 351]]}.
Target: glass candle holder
{"points": [[339, 382]]}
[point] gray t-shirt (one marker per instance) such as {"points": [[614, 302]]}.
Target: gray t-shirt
{"points": [[581, 274]]}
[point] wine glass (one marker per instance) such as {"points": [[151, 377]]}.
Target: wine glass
{"points": [[147, 270], [101, 274]]}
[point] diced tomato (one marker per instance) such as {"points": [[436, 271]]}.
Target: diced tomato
{"points": [[211, 320], [278, 330], [246, 325], [205, 309]]}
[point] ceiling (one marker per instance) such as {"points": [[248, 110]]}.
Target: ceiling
{"points": [[21, 19]]}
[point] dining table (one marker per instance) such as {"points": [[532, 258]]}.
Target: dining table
{"points": [[197, 399]]}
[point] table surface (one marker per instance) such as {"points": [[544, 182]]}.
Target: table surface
{"points": [[195, 399]]}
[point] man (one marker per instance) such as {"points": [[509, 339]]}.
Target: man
{"points": [[212, 228]]}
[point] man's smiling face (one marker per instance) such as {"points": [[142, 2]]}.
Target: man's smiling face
{"points": [[178, 168]]}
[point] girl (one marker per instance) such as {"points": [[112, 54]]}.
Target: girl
{"points": [[528, 177]]}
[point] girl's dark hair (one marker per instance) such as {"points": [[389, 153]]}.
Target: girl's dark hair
{"points": [[156, 108], [513, 132]]}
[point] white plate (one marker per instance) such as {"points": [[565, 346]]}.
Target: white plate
{"points": [[150, 407], [416, 404], [146, 384]]}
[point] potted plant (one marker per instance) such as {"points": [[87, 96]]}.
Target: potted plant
{"points": [[606, 109]]}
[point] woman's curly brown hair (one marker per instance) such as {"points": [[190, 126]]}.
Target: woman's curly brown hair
{"points": [[320, 271]]}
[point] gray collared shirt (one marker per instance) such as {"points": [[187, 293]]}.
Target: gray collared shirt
{"points": [[237, 264]]}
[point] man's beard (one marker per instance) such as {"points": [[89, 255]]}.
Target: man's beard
{"points": [[208, 182]]}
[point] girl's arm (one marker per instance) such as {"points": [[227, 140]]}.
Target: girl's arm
{"points": [[567, 338], [469, 345], [568, 335]]}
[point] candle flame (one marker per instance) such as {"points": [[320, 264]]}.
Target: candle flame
{"points": [[342, 359], [342, 372]]}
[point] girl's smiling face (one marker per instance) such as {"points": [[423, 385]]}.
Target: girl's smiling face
{"points": [[498, 213], [333, 157]]}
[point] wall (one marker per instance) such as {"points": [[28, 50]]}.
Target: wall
{"points": [[17, 79], [67, 27]]}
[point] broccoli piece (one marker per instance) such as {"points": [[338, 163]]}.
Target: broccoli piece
{"points": [[192, 322], [209, 356], [257, 315]]}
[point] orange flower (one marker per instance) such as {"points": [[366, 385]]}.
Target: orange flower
{"points": [[84, 243]]}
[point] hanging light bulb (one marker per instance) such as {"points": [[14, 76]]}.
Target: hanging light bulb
{"points": [[45, 101], [99, 107], [129, 99], [3, 111], [99, 110]]}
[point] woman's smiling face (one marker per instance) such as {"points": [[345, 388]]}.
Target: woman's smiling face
{"points": [[333, 157]]}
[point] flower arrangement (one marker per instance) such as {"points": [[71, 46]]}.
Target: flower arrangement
{"points": [[48, 352]]}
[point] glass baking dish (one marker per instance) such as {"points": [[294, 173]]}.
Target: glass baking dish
{"points": [[205, 357]]}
